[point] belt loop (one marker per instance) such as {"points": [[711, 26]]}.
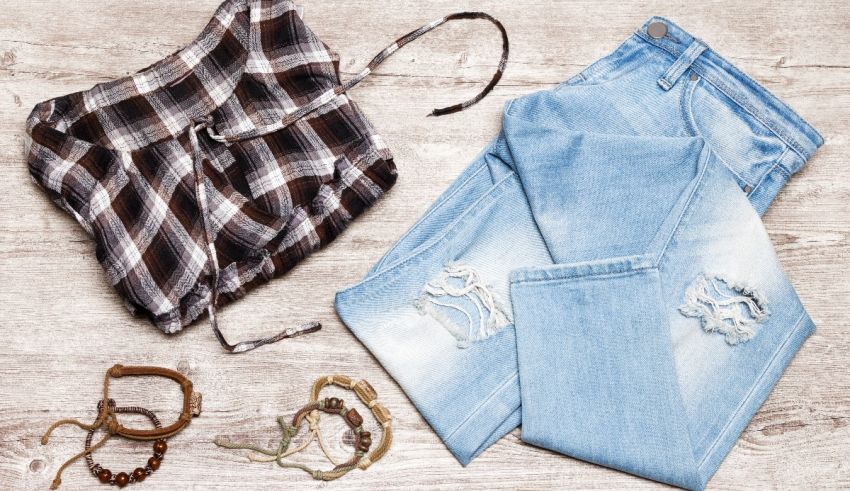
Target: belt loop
{"points": [[681, 64]]}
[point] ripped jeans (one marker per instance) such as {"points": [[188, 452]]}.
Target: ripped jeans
{"points": [[600, 273]]}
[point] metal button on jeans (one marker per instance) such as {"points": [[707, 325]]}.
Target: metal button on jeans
{"points": [[657, 30]]}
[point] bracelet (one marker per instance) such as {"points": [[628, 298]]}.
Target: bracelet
{"points": [[369, 397], [108, 414], [363, 439], [310, 412], [140, 473], [330, 405], [191, 402]]}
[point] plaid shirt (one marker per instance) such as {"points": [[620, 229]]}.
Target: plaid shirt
{"points": [[221, 166], [118, 158]]}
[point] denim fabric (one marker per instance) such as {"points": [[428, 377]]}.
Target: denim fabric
{"points": [[600, 272]]}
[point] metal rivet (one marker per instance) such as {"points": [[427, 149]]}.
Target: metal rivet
{"points": [[657, 30], [748, 188], [694, 77]]}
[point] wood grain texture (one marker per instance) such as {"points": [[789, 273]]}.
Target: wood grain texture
{"points": [[63, 325]]}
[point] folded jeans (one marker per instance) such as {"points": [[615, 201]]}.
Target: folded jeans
{"points": [[600, 272]]}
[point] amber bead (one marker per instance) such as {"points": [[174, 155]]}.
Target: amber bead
{"points": [[122, 479], [104, 475], [139, 474], [160, 446], [154, 463]]}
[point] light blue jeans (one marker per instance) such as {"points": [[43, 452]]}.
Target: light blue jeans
{"points": [[600, 273]]}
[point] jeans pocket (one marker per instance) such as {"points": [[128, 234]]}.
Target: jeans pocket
{"points": [[746, 146]]}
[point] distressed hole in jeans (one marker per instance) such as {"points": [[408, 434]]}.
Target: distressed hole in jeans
{"points": [[459, 300], [727, 307]]}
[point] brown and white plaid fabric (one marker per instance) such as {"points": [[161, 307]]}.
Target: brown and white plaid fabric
{"points": [[219, 167]]}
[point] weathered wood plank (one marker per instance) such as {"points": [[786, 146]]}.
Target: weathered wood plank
{"points": [[63, 325]]}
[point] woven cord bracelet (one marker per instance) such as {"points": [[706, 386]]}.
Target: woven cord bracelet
{"points": [[310, 413], [369, 397], [330, 405], [140, 473]]}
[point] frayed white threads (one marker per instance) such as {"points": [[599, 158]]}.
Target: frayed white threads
{"points": [[458, 280], [726, 307]]}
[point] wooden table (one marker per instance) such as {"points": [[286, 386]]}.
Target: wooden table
{"points": [[63, 325]]}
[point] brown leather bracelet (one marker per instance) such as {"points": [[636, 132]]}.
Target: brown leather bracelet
{"points": [[369, 397], [107, 417], [191, 402]]}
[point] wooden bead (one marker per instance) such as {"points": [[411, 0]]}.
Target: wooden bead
{"points": [[364, 442], [382, 414], [104, 475], [366, 392], [122, 479], [154, 463], [354, 418], [160, 446], [139, 474]]}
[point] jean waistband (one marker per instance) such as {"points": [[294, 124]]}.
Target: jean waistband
{"points": [[746, 92]]}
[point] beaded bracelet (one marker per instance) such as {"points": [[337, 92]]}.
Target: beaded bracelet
{"points": [[140, 473], [107, 417], [369, 397], [330, 405], [310, 412]]}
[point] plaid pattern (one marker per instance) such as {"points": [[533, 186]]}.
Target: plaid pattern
{"points": [[186, 219], [119, 158]]}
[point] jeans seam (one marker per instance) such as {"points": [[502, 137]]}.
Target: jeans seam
{"points": [[686, 106], [691, 125], [580, 276], [437, 240], [790, 142], [781, 168], [481, 406], [727, 91], [749, 395], [429, 212], [775, 166], [698, 187], [662, 301]]}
